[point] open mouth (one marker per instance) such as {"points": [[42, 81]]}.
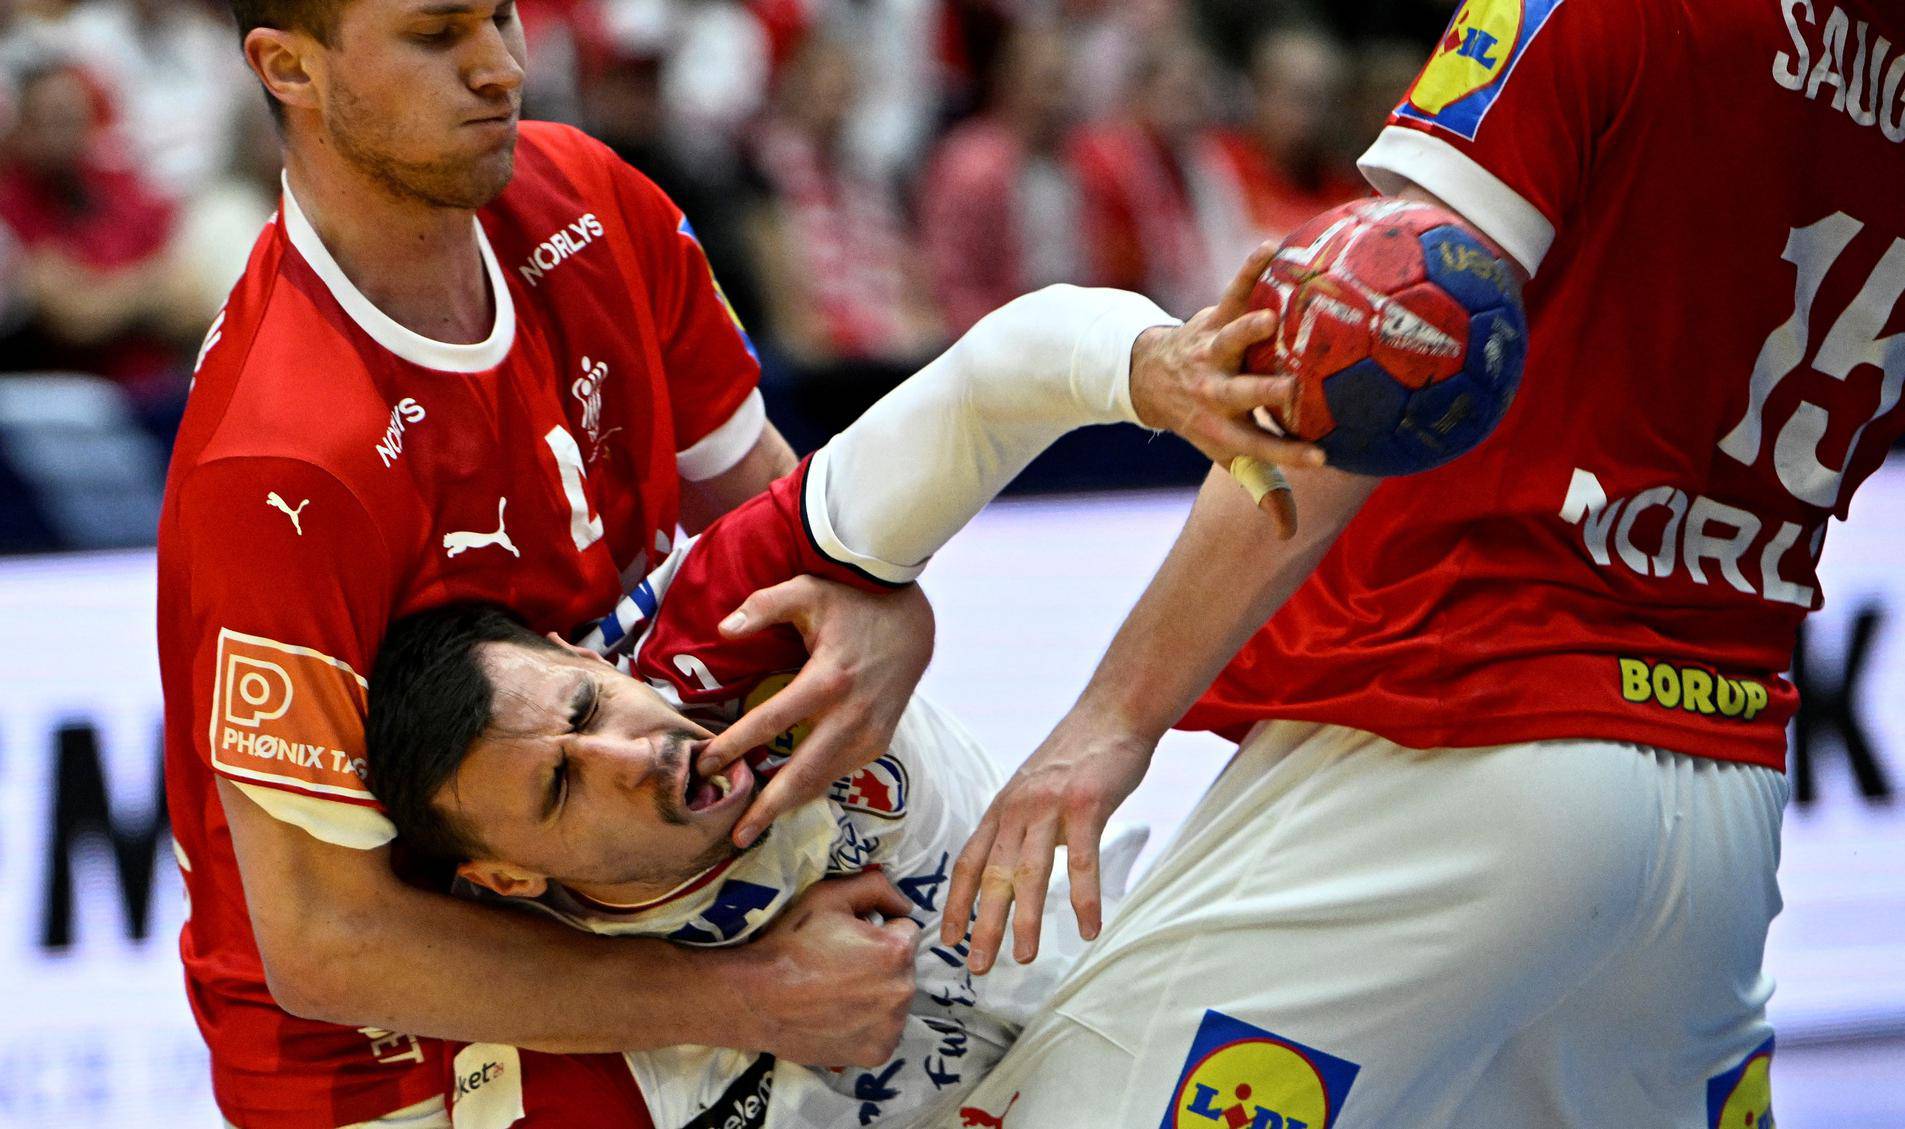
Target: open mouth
{"points": [[732, 785]]}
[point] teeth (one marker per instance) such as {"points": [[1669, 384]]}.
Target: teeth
{"points": [[722, 784]]}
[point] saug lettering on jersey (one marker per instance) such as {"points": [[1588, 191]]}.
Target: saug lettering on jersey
{"points": [[1472, 62], [1716, 359], [1868, 91]]}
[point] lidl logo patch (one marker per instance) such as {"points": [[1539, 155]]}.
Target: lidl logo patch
{"points": [[1742, 1098], [1239, 1076], [288, 716], [1473, 61]]}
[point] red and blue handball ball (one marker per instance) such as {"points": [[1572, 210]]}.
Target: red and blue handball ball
{"points": [[1404, 329]]}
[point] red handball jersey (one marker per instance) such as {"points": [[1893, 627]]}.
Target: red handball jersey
{"points": [[1709, 198], [335, 471]]}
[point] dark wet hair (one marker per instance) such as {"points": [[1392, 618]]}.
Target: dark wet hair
{"points": [[429, 702]]}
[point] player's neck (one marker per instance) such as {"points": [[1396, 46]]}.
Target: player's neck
{"points": [[619, 896], [417, 263]]}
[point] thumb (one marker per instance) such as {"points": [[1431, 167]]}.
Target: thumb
{"points": [[764, 608], [871, 892]]}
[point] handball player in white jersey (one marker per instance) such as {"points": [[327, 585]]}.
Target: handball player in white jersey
{"points": [[558, 776]]}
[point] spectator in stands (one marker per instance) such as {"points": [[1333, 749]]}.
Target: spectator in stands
{"points": [[1385, 70], [841, 281], [1109, 40], [220, 223], [91, 238], [999, 206], [169, 68], [623, 66], [1137, 174], [1285, 164]]}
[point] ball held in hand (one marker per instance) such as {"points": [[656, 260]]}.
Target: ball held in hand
{"points": [[1404, 329]]}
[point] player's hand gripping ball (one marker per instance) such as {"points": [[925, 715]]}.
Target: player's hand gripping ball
{"points": [[1404, 330]]}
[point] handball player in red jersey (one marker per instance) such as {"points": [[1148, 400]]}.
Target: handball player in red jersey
{"points": [[473, 358], [1499, 843]]}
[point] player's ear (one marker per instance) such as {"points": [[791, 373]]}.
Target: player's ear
{"points": [[580, 652], [502, 878], [282, 60]]}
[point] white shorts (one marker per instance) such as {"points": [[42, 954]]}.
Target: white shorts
{"points": [[1349, 934]]}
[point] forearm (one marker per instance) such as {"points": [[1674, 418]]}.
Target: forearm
{"points": [[703, 501], [344, 940], [1226, 575], [897, 484], [456, 970]]}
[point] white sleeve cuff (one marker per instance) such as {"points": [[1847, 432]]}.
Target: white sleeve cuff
{"points": [[717, 452], [1105, 347], [356, 826], [1403, 156], [813, 515]]}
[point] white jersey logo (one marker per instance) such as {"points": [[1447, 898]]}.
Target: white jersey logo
{"points": [[462, 542], [588, 393], [278, 503], [404, 412], [559, 247]]}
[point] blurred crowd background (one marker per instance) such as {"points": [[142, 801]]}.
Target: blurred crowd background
{"points": [[869, 177]]}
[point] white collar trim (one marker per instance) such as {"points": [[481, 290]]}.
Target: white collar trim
{"points": [[406, 343]]}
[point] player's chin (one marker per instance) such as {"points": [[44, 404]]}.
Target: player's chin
{"points": [[478, 173]]}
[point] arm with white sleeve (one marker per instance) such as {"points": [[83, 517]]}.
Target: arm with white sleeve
{"points": [[886, 493], [896, 485]]}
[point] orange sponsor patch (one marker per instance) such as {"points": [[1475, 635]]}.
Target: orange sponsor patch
{"points": [[290, 717]]}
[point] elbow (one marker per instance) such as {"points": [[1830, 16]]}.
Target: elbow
{"points": [[307, 971]]}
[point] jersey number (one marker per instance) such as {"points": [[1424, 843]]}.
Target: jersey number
{"points": [[584, 526], [1852, 341]]}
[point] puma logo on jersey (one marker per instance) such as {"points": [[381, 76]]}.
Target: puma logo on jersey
{"points": [[278, 503], [972, 1117], [461, 542], [560, 247], [1866, 91]]}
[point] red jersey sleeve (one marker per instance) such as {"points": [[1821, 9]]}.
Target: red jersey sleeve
{"points": [[284, 637], [1505, 122], [762, 542], [713, 371]]}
